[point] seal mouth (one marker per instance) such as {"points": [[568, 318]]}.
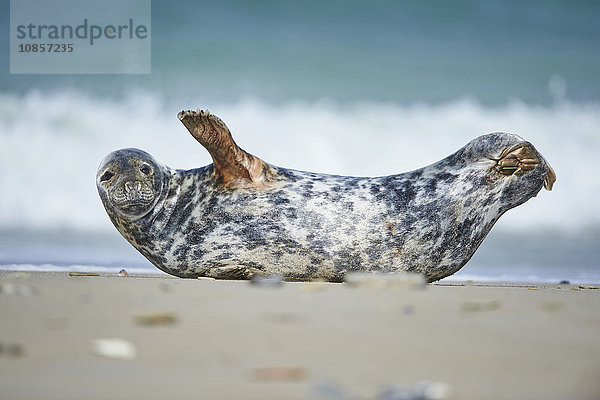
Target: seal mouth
{"points": [[520, 158]]}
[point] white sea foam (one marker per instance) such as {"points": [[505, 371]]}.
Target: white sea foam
{"points": [[50, 147]]}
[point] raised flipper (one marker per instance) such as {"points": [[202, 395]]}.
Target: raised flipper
{"points": [[234, 168]]}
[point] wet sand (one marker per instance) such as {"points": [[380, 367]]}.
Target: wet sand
{"points": [[151, 337]]}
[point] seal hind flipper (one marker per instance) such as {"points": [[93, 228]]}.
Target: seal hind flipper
{"points": [[515, 160], [233, 166]]}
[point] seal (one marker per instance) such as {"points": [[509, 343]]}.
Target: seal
{"points": [[241, 217]]}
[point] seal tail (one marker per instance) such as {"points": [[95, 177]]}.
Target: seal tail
{"points": [[233, 166]]}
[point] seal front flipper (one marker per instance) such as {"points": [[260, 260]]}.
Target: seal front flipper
{"points": [[234, 168], [236, 272]]}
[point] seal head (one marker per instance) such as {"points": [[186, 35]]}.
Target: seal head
{"points": [[130, 183]]}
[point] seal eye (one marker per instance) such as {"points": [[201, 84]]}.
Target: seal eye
{"points": [[145, 169], [106, 176]]}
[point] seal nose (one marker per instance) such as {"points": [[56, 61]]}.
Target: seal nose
{"points": [[133, 186]]}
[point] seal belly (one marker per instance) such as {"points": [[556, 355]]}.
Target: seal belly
{"points": [[314, 226], [305, 226]]}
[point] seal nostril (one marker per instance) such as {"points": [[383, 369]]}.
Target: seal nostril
{"points": [[106, 176], [128, 187]]}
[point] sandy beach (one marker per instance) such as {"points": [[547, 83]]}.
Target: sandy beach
{"points": [[153, 337], [392, 123]]}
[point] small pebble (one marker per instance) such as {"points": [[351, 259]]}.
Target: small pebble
{"points": [[552, 305], [57, 323], [588, 287], [12, 350], [282, 317], [408, 309], [123, 272], [422, 390], [330, 391], [86, 298], [388, 280], [267, 281], [480, 305], [115, 348], [83, 274], [165, 287], [278, 374], [17, 289], [155, 319]]}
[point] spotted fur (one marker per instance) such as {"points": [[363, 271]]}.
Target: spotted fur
{"points": [[306, 225]]}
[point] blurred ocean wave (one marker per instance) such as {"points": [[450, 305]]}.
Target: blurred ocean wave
{"points": [[52, 219], [52, 145]]}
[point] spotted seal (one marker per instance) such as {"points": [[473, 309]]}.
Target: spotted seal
{"points": [[240, 217]]}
